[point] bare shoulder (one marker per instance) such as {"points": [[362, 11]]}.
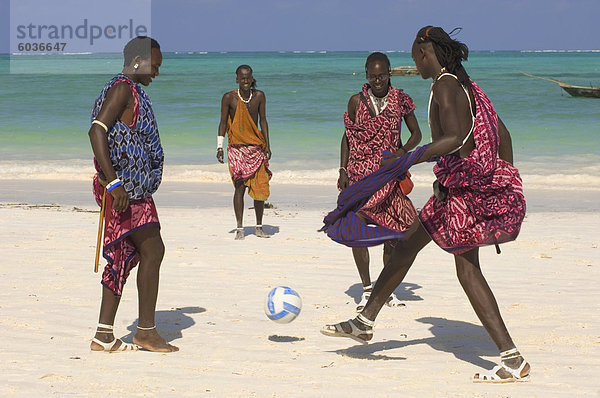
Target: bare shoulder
{"points": [[446, 83], [119, 92], [352, 106], [119, 88], [229, 95], [353, 101], [229, 98], [259, 94], [445, 88]]}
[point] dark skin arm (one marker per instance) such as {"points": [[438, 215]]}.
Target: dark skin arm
{"points": [[118, 104], [225, 111], [415, 132], [451, 133], [505, 151], [344, 155], [264, 126], [413, 141], [343, 181]]}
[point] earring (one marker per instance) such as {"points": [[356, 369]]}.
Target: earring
{"points": [[136, 66]]}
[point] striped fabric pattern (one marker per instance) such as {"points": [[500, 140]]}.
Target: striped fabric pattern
{"points": [[344, 226]]}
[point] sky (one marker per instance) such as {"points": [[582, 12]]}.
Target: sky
{"points": [[335, 25]]}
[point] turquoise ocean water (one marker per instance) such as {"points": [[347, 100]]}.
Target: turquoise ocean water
{"points": [[45, 102]]}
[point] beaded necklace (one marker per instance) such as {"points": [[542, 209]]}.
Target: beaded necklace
{"points": [[442, 71], [243, 100], [379, 103]]}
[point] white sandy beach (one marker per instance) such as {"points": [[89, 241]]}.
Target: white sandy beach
{"points": [[212, 295]]}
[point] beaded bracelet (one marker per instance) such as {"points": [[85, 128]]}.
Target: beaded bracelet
{"points": [[116, 184], [113, 184]]}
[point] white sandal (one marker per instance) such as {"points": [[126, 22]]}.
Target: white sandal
{"points": [[355, 333], [491, 376], [364, 299], [394, 301], [239, 233], [110, 346]]}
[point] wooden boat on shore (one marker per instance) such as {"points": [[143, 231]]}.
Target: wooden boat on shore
{"points": [[575, 91], [404, 71]]}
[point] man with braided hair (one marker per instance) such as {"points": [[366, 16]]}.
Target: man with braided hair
{"points": [[478, 198]]}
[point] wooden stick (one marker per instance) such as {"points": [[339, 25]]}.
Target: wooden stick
{"points": [[100, 222]]}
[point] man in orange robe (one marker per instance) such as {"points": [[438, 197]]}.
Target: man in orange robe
{"points": [[248, 150]]}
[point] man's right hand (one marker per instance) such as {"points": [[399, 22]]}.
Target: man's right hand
{"points": [[220, 155], [120, 198], [343, 180]]}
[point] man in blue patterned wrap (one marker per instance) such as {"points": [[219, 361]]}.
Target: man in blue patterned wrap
{"points": [[129, 160]]}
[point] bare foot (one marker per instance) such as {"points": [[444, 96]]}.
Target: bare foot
{"points": [[151, 341], [239, 234], [261, 234]]}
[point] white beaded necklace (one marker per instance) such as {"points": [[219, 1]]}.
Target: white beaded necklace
{"points": [[379, 103], [243, 100]]}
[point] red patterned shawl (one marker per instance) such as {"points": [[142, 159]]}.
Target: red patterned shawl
{"points": [[485, 203], [250, 164], [118, 249], [368, 138]]}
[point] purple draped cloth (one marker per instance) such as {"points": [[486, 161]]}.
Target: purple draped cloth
{"points": [[344, 226]]}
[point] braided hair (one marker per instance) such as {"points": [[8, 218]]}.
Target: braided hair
{"points": [[449, 52], [247, 67], [379, 57]]}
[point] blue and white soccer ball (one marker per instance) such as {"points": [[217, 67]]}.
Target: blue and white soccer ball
{"points": [[283, 304]]}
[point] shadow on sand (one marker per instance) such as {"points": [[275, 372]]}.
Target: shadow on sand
{"points": [[269, 230], [405, 292], [284, 339], [169, 323], [466, 341]]}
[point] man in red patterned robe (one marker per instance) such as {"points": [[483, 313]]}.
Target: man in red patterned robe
{"points": [[373, 122], [478, 198]]}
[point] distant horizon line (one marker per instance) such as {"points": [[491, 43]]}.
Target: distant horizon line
{"points": [[198, 52]]}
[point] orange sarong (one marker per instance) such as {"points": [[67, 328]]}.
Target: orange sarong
{"points": [[245, 153]]}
